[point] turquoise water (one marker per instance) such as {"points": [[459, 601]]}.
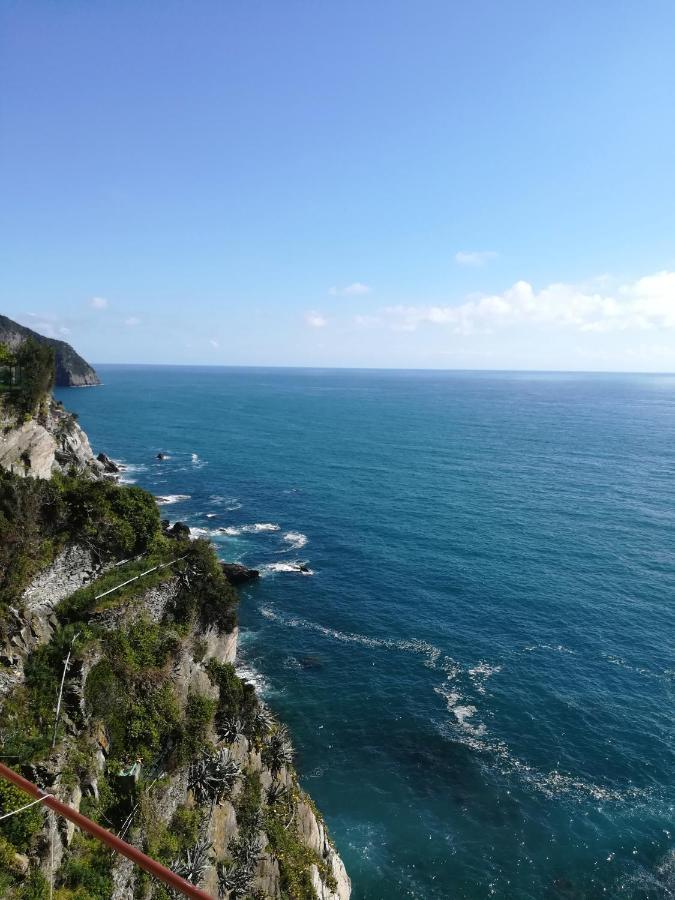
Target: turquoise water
{"points": [[478, 671]]}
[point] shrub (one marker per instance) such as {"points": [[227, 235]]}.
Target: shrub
{"points": [[20, 829]]}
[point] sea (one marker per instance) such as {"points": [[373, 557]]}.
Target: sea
{"points": [[466, 610]]}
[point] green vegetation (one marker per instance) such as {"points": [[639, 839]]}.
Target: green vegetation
{"points": [[27, 375], [38, 517], [205, 594], [129, 699], [130, 692], [86, 871], [236, 698], [18, 830]]}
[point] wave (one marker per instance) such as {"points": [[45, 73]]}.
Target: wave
{"points": [[231, 504], [247, 673], [171, 498], [299, 568], [479, 675], [422, 648], [295, 539], [558, 648], [464, 727], [256, 528]]}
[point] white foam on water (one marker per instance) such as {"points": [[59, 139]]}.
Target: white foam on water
{"points": [[260, 527], [430, 653], [230, 531], [211, 515], [230, 503], [290, 662], [295, 539], [131, 467], [167, 499], [479, 675], [251, 676], [297, 568]]}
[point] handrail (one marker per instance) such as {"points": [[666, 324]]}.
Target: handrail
{"points": [[136, 577], [117, 844]]}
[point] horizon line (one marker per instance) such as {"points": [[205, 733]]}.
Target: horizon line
{"points": [[514, 371]]}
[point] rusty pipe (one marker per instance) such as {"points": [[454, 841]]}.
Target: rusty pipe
{"points": [[117, 844]]}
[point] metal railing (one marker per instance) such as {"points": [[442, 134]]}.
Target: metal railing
{"points": [[111, 840]]}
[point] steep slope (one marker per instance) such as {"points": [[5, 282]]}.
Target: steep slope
{"points": [[158, 739], [71, 369], [46, 444]]}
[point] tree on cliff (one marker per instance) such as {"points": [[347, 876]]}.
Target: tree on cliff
{"points": [[35, 365]]}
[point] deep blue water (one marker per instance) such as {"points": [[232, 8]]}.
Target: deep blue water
{"points": [[478, 672]]}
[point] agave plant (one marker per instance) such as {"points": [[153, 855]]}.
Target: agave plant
{"points": [[213, 776], [234, 880], [230, 728], [263, 721], [278, 793], [279, 750], [192, 867], [246, 849]]}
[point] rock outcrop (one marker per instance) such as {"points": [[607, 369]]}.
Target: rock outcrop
{"points": [[48, 443], [238, 574], [71, 369]]}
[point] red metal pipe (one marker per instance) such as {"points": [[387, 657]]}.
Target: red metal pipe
{"points": [[117, 844]]}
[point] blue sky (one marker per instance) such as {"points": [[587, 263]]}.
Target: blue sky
{"points": [[425, 184]]}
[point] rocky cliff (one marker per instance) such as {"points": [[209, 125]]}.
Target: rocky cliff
{"points": [[45, 444], [157, 738], [71, 369]]}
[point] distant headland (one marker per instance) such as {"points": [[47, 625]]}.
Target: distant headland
{"points": [[70, 369]]}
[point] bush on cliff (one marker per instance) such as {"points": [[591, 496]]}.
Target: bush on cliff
{"points": [[38, 517]]}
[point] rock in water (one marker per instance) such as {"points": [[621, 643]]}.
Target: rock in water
{"points": [[71, 369], [238, 574], [108, 464]]}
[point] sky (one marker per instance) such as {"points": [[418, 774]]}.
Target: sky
{"points": [[423, 184]]}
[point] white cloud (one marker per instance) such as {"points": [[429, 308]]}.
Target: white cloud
{"points": [[642, 305], [132, 321], [351, 290], [214, 343], [98, 303], [315, 319], [474, 257], [49, 325]]}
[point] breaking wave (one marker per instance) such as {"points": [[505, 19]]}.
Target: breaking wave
{"points": [[295, 539], [298, 568]]}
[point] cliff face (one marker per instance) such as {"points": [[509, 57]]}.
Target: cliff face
{"points": [[260, 835], [158, 739], [71, 369], [48, 443]]}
